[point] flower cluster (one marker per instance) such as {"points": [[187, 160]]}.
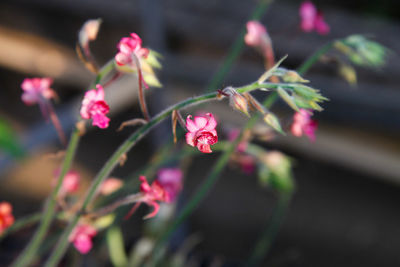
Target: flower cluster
{"points": [[6, 217], [201, 132], [37, 91], [94, 107], [311, 19]]}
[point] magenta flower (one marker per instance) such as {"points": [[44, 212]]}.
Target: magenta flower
{"points": [[94, 107], [150, 194], [256, 34], [128, 48], [303, 124], [70, 183], [171, 180], [111, 185], [202, 132], [82, 236], [38, 91], [311, 19]]}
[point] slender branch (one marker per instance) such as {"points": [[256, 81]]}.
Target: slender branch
{"points": [[30, 251], [62, 245], [314, 58], [142, 99]]}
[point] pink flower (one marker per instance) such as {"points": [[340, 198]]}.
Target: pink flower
{"points": [[256, 33], [82, 236], [128, 48], [38, 91], [110, 185], [70, 183], [94, 107], [171, 180], [311, 19], [6, 217], [303, 124], [202, 132], [150, 194]]}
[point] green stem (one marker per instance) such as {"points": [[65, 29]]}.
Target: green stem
{"points": [[314, 58], [31, 250], [21, 223], [207, 184], [113, 161], [271, 230], [237, 47]]}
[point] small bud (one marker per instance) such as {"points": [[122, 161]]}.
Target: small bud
{"points": [[348, 73], [237, 101], [122, 159], [287, 98], [277, 171], [81, 127], [293, 77], [273, 121], [89, 31]]}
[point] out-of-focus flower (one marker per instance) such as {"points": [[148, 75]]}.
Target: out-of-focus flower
{"points": [[82, 236], [95, 107], [171, 180], [110, 185], [38, 91], [128, 48], [276, 171], [311, 19], [202, 132], [303, 124], [256, 34], [6, 217], [150, 194], [89, 31], [70, 183]]}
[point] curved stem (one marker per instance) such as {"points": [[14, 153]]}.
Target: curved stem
{"points": [[62, 245], [314, 58], [48, 214]]}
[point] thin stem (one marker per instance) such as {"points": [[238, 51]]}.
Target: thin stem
{"points": [[237, 47], [21, 223], [62, 245], [271, 230], [57, 124], [205, 187], [314, 58], [142, 99], [30, 251]]}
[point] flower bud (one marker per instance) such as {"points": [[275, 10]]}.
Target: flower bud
{"points": [[237, 101]]}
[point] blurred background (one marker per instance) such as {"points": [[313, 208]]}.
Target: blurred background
{"points": [[345, 209]]}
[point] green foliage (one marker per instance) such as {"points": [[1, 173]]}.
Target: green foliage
{"points": [[8, 141]]}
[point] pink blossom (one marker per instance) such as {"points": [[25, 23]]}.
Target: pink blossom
{"points": [[303, 124], [94, 107], [110, 185], [202, 132], [38, 91], [82, 236], [256, 33], [6, 217], [128, 48], [311, 19], [70, 183], [150, 194], [247, 163], [171, 180]]}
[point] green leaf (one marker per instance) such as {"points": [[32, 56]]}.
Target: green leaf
{"points": [[273, 121], [271, 71], [116, 247], [287, 98]]}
